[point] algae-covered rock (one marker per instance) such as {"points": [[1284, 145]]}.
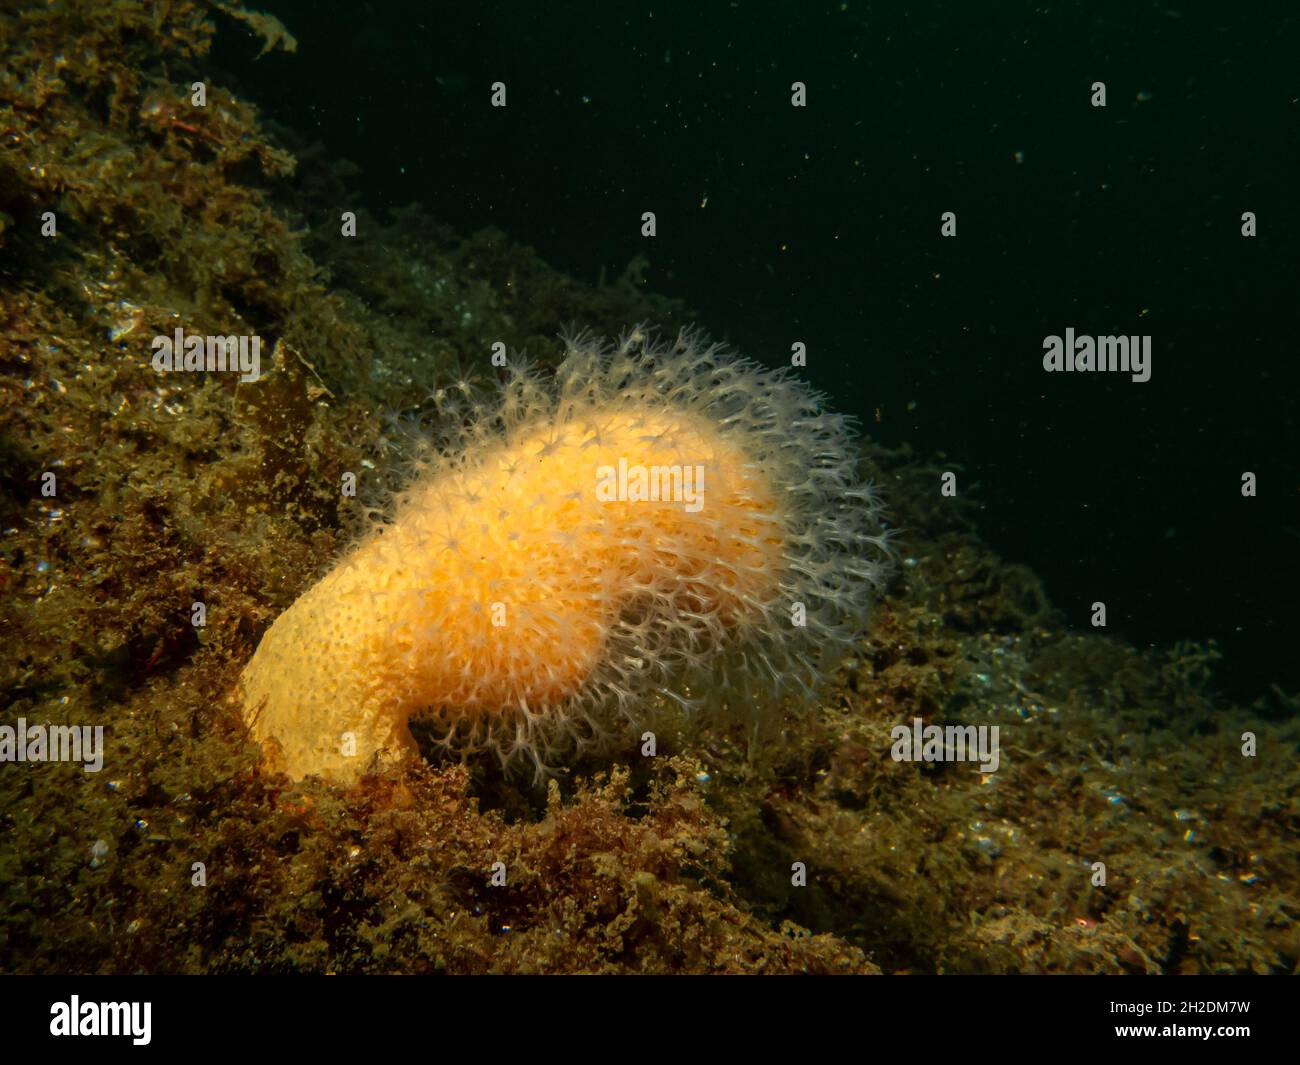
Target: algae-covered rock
{"points": [[155, 524]]}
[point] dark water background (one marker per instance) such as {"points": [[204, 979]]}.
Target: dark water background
{"points": [[822, 225]]}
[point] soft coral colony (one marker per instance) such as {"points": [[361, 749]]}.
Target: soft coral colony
{"points": [[527, 600]]}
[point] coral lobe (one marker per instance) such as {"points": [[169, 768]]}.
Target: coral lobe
{"points": [[527, 613]]}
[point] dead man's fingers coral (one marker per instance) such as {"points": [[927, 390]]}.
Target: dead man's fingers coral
{"points": [[655, 514]]}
